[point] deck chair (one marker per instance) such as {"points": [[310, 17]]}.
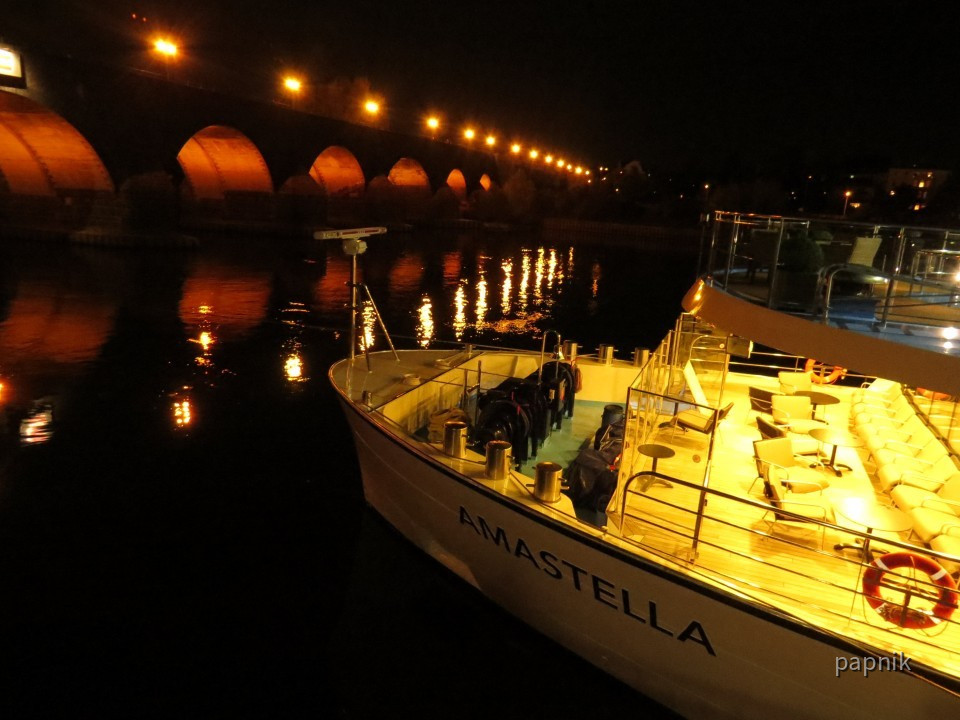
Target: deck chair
{"points": [[701, 419], [791, 471], [795, 412], [693, 384], [760, 250], [802, 444], [760, 399], [791, 382], [803, 513], [864, 250]]}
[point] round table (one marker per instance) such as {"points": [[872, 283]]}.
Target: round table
{"points": [[655, 451], [873, 516], [838, 438], [818, 399]]}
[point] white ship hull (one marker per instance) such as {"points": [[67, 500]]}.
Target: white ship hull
{"points": [[689, 646]]}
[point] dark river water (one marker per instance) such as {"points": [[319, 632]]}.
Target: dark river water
{"points": [[182, 527]]}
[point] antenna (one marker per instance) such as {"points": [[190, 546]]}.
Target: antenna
{"points": [[353, 245]]}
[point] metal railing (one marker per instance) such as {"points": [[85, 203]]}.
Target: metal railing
{"points": [[872, 272]]}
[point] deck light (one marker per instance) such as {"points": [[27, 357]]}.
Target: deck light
{"points": [[165, 47]]}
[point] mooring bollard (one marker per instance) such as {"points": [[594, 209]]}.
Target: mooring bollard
{"points": [[498, 460], [546, 485], [455, 438]]}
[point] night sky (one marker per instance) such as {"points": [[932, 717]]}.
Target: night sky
{"points": [[683, 86]]}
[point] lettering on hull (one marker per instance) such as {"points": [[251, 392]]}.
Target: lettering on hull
{"points": [[604, 592]]}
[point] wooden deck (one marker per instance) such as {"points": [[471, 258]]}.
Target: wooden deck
{"points": [[792, 567]]}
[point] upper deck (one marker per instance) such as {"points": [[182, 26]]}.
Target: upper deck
{"points": [[884, 300]]}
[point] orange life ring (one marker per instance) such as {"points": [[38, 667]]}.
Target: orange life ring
{"points": [[823, 379], [900, 614], [932, 394]]}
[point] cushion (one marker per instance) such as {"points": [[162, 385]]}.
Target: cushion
{"points": [[949, 544], [927, 524]]}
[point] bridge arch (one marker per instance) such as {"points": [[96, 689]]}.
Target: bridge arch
{"points": [[219, 160], [337, 171], [42, 154], [458, 183], [407, 173]]}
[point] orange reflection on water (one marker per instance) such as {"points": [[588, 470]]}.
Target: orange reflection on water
{"points": [[551, 268], [425, 329], [595, 287], [460, 314], [293, 368], [231, 300], [405, 275], [452, 262], [481, 301], [36, 427], [182, 413], [507, 266], [524, 281], [368, 321], [538, 276]]}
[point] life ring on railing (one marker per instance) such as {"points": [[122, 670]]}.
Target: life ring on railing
{"points": [[821, 377], [932, 394], [900, 614]]}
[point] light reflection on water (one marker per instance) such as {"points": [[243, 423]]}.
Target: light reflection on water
{"points": [[471, 290], [171, 421]]}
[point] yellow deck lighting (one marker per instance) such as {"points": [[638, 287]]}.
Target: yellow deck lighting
{"points": [[292, 84], [372, 107]]}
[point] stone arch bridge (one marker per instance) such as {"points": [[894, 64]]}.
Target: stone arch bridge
{"points": [[85, 145]]}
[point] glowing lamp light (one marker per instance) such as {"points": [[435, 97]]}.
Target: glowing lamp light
{"points": [[560, 163], [165, 47], [548, 159], [579, 170], [433, 123], [515, 148], [949, 333], [587, 172], [491, 140], [10, 63], [469, 134], [534, 154], [292, 84], [848, 193], [372, 107]]}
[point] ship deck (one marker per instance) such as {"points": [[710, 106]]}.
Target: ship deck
{"points": [[790, 570], [793, 568]]}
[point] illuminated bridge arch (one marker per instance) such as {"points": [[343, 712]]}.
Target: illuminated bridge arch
{"points": [[458, 183], [408, 174], [337, 171], [42, 154], [220, 160]]}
